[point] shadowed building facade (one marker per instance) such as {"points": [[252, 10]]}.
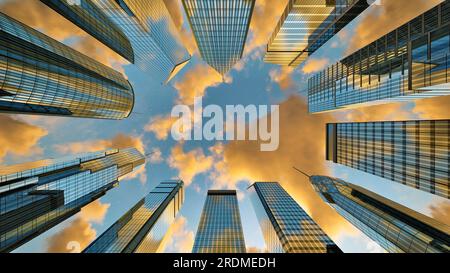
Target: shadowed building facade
{"points": [[36, 196], [87, 16], [220, 28], [394, 227], [413, 153], [145, 226], [286, 227], [152, 33], [306, 25], [411, 62], [39, 75], [220, 228]]}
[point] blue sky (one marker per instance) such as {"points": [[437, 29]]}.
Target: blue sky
{"points": [[253, 83]]}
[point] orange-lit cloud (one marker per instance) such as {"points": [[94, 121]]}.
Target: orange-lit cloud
{"points": [[435, 108], [79, 233], [180, 238], [381, 19], [44, 19], [441, 212], [189, 164], [283, 77], [315, 65], [18, 137], [195, 82], [160, 126]]}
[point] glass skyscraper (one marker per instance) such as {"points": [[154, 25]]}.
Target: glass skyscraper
{"points": [[220, 228], [394, 227], [220, 28], [39, 75], [306, 25], [37, 196], [411, 62], [413, 153], [86, 15], [152, 33], [144, 227], [286, 227]]}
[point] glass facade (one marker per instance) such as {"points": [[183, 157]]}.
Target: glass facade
{"points": [[414, 153], [144, 227], [286, 227], [220, 28], [306, 25], [86, 15], [37, 196], [411, 62], [152, 33], [220, 228], [39, 75], [394, 227]]}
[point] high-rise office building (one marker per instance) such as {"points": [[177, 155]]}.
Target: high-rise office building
{"points": [[220, 28], [413, 153], [152, 33], [306, 25], [37, 196], [411, 62], [394, 227], [86, 15], [286, 227], [39, 75], [144, 227], [220, 228]]}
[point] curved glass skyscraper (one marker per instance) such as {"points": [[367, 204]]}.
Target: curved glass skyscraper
{"points": [[394, 227], [39, 75], [37, 196]]}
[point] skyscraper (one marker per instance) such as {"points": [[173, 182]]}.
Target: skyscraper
{"points": [[220, 28], [411, 62], [144, 227], [414, 153], [152, 33], [220, 228], [286, 227], [86, 15], [37, 196], [306, 25], [394, 227], [39, 75]]}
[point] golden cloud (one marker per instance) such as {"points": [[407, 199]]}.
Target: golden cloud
{"points": [[189, 164], [160, 126], [195, 82], [180, 238], [283, 77], [18, 137], [315, 65], [434, 108], [441, 212], [79, 233]]}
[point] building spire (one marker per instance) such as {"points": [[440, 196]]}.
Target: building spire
{"points": [[300, 171]]}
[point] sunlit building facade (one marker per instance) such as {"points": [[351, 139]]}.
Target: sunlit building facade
{"points": [[413, 153], [37, 196], [411, 62], [39, 75], [306, 25], [86, 15], [220, 228], [220, 28], [152, 33], [394, 227], [286, 227], [144, 227]]}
